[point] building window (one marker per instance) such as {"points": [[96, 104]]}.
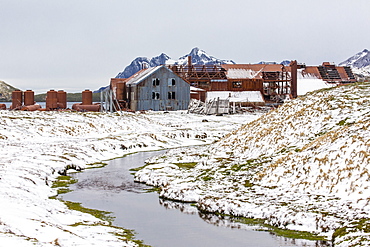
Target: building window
{"points": [[237, 84], [171, 95], [171, 82], [155, 82], [155, 95]]}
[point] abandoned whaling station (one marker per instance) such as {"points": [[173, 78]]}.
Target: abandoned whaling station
{"points": [[213, 89]]}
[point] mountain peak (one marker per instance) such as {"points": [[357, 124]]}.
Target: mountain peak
{"points": [[194, 50], [359, 60], [198, 56]]}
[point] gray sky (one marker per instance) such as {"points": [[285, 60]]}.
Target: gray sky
{"points": [[80, 44]]}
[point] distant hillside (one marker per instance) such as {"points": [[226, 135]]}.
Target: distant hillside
{"points": [[6, 92]]}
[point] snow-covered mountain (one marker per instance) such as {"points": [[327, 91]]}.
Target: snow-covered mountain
{"points": [[359, 60], [360, 63], [198, 57], [138, 63]]}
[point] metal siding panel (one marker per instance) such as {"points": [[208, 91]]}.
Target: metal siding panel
{"points": [[145, 89]]}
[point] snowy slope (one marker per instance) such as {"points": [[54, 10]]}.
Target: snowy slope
{"points": [[35, 146], [303, 166], [364, 71]]}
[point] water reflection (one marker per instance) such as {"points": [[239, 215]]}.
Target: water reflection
{"points": [[161, 222], [231, 222]]}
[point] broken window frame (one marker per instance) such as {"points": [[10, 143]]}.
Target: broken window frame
{"points": [[155, 95], [237, 84], [155, 82], [171, 95], [171, 82]]}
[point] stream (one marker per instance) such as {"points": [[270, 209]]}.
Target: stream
{"points": [[158, 222]]}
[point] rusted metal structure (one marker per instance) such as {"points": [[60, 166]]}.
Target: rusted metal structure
{"points": [[51, 100], [87, 103], [202, 76], [274, 81], [17, 99], [119, 94], [55, 100], [2, 107], [62, 99], [335, 74], [294, 78], [34, 107], [84, 108], [328, 72], [87, 97], [29, 97]]}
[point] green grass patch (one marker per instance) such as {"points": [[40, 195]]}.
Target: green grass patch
{"points": [[97, 165], [280, 232], [248, 184], [63, 181], [186, 165], [361, 225], [207, 178], [153, 189], [106, 216], [250, 164], [342, 122]]}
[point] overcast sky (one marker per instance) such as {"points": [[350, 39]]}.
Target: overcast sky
{"points": [[80, 44]]}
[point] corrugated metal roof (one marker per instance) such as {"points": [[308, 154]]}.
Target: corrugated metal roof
{"points": [[343, 74], [254, 67], [241, 74], [311, 72], [250, 71], [143, 74]]}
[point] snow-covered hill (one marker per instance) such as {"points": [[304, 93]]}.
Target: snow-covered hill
{"points": [[303, 166], [198, 57], [35, 146]]}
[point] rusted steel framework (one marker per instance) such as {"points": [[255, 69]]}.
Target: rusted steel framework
{"points": [[200, 75], [274, 81], [277, 84]]}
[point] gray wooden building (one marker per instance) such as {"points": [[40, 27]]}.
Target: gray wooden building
{"points": [[158, 89]]}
